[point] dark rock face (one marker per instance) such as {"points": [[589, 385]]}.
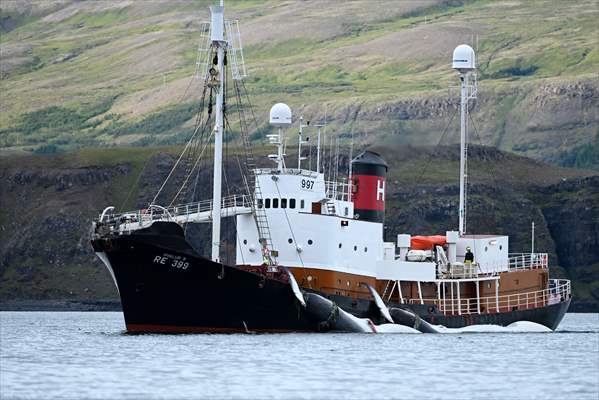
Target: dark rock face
{"points": [[572, 216], [47, 211], [67, 178]]}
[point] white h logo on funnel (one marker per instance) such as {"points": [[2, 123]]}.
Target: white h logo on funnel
{"points": [[380, 190]]}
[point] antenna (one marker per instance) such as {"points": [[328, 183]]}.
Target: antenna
{"points": [[319, 126], [464, 62], [309, 153], [336, 165], [532, 238], [349, 169], [300, 142]]}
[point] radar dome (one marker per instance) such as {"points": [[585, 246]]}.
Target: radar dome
{"points": [[464, 58], [280, 114]]}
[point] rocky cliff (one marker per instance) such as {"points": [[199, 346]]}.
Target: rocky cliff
{"points": [[48, 203]]}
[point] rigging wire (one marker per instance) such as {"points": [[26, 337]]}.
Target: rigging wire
{"points": [[193, 168], [299, 254], [136, 183], [198, 143], [430, 155], [229, 192], [174, 166], [494, 172]]}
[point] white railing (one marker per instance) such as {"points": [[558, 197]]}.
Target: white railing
{"points": [[288, 171], [517, 261], [558, 290], [337, 190], [460, 271], [159, 213]]}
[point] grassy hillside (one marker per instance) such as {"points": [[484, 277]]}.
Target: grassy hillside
{"points": [[83, 74]]}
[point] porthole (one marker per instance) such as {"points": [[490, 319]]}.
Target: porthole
{"points": [[289, 240], [355, 248], [245, 241], [340, 245], [500, 247], [365, 249], [486, 248], [310, 242]]}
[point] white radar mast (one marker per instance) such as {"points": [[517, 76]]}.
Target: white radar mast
{"points": [[280, 116], [464, 62]]}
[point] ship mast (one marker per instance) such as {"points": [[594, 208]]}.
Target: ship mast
{"points": [[218, 43], [464, 62]]}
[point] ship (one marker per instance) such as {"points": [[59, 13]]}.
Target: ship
{"points": [[310, 254]]}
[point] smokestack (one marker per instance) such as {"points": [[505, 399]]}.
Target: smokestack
{"points": [[368, 177]]}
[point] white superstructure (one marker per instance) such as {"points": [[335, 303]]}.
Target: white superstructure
{"points": [[309, 227]]}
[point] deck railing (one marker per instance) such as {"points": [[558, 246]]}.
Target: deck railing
{"points": [[159, 213], [518, 261], [558, 290], [337, 190], [460, 271]]}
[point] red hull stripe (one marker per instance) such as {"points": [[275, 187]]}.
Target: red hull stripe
{"points": [[149, 328]]}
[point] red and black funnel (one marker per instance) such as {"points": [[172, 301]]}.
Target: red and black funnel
{"points": [[368, 176]]}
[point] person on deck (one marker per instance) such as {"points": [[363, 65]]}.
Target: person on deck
{"points": [[469, 256]]}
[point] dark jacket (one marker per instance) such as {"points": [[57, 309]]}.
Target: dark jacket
{"points": [[469, 256]]}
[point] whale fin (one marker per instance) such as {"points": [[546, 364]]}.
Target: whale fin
{"points": [[379, 302], [295, 287]]}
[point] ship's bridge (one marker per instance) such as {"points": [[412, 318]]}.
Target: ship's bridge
{"points": [[304, 191]]}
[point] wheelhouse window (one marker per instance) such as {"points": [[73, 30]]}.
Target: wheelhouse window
{"points": [[266, 203], [275, 203], [302, 204], [291, 203], [260, 203], [283, 203]]}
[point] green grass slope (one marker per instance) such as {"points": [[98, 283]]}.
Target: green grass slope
{"points": [[81, 74]]}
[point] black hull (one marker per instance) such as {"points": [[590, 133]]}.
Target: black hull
{"points": [[165, 286]]}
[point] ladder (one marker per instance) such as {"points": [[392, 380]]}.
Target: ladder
{"points": [[251, 182]]}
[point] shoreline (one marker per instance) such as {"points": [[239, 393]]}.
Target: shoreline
{"points": [[61, 305]]}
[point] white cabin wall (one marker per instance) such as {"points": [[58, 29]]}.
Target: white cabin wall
{"points": [[361, 242], [490, 252]]}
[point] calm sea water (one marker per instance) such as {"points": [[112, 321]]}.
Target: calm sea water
{"points": [[49, 355]]}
